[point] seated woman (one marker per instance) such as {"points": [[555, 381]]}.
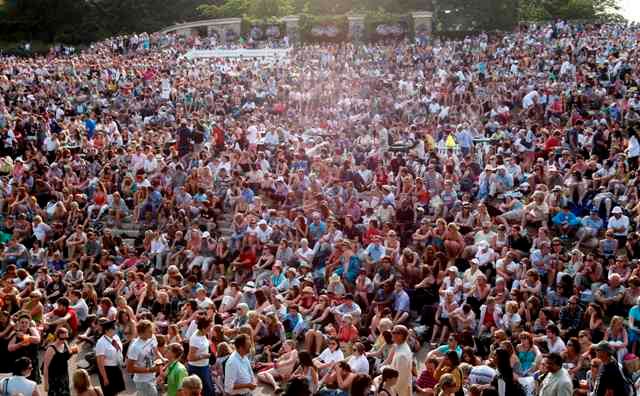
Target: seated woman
{"points": [[453, 242], [338, 381], [281, 368]]}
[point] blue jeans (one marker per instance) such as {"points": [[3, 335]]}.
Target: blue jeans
{"points": [[205, 376], [146, 389]]}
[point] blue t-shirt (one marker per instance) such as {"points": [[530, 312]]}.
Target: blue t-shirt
{"points": [[91, 127], [634, 313], [444, 349]]}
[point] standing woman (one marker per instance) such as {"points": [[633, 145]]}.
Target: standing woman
{"points": [[109, 359], [7, 326], [198, 356], [24, 343], [56, 368]]}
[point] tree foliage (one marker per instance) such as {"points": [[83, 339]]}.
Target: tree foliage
{"points": [[472, 15], [535, 10], [81, 21]]}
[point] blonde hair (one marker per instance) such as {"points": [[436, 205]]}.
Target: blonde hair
{"points": [[81, 381], [192, 385], [617, 320]]}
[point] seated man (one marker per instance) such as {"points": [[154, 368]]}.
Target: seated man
{"points": [[610, 294], [15, 253], [565, 222], [62, 315], [401, 304]]}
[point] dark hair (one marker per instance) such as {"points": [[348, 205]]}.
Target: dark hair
{"points": [[387, 374], [298, 387], [305, 359], [21, 365], [387, 336], [503, 364], [573, 341], [241, 341], [203, 323], [360, 385], [109, 325], [470, 352], [556, 359], [453, 358], [64, 302], [554, 329]]}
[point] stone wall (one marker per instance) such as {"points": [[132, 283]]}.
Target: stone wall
{"points": [[229, 29]]}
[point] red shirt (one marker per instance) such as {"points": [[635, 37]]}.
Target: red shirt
{"points": [[348, 333], [551, 143], [369, 234], [248, 258]]}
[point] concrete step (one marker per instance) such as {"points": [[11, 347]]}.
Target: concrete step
{"points": [[225, 231], [129, 241], [124, 233]]}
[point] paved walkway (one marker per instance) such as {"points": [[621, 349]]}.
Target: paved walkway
{"points": [[261, 390]]}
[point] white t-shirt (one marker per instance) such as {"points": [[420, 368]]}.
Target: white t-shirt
{"points": [[112, 356], [359, 364], [201, 343], [204, 304], [19, 385], [557, 347], [331, 357], [529, 99], [623, 222], [143, 353], [252, 134]]}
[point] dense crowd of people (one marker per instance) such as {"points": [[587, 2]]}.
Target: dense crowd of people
{"points": [[430, 218]]}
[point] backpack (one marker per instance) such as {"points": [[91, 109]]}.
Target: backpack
{"points": [[630, 389], [222, 374], [4, 387]]}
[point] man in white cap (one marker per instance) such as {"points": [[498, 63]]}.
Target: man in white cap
{"points": [[264, 231], [620, 225]]}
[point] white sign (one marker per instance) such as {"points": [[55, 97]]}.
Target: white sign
{"points": [[274, 53]]}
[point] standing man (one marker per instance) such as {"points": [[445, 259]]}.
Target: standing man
{"points": [[141, 357], [610, 381], [558, 381], [183, 139], [402, 360], [238, 375]]}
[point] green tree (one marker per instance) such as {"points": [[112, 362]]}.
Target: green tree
{"points": [[270, 8], [253, 8], [569, 9], [228, 9]]}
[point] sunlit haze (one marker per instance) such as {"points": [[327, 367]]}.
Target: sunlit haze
{"points": [[630, 9]]}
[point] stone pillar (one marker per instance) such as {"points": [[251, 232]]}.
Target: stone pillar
{"points": [[229, 29], [292, 28], [423, 23], [356, 28], [184, 32]]}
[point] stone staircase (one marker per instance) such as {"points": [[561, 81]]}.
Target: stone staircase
{"points": [[224, 227], [130, 231]]}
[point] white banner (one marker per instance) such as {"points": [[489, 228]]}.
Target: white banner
{"points": [[273, 53]]}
